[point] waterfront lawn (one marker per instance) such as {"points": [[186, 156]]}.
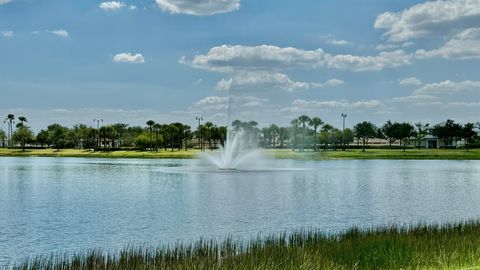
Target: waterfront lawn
{"points": [[421, 247], [473, 154]]}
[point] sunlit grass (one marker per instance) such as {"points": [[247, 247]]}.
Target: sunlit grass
{"points": [[420, 247], [274, 153]]}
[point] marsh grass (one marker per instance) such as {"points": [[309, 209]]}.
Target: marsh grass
{"points": [[449, 246]]}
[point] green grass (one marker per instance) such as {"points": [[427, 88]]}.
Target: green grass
{"points": [[457, 154], [98, 154], [473, 154], [420, 247]]}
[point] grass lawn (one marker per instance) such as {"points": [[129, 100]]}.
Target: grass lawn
{"points": [[473, 154], [98, 154], [421, 247]]}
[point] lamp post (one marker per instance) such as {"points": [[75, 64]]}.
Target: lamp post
{"points": [[98, 129], [344, 116], [199, 119]]}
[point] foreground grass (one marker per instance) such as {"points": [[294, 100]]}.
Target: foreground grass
{"points": [[421, 247], [473, 154]]}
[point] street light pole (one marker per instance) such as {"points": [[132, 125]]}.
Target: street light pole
{"points": [[344, 116], [199, 119]]}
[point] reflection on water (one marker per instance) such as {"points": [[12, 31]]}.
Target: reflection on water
{"points": [[62, 204]]}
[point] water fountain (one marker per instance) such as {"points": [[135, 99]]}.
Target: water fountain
{"points": [[235, 154]]}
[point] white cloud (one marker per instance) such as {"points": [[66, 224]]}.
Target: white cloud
{"points": [[432, 17], [270, 80], [132, 7], [447, 87], [129, 58], [465, 45], [305, 106], [410, 81], [393, 46], [415, 99], [266, 57], [340, 42], [7, 34], [112, 5], [5, 1], [219, 103], [369, 63], [59, 32], [198, 7]]}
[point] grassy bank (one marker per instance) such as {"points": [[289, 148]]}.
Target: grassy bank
{"points": [[473, 154], [457, 154], [422, 247]]}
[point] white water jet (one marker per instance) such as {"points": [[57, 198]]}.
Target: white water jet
{"points": [[234, 155]]}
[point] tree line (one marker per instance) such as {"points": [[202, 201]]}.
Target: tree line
{"points": [[304, 133]]}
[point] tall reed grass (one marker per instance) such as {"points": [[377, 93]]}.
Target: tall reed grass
{"points": [[448, 246]]}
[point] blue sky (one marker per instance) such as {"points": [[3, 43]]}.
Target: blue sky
{"points": [[171, 60]]}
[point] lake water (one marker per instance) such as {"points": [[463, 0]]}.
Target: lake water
{"points": [[70, 204]]}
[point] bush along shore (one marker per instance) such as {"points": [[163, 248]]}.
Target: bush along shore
{"points": [[447, 246]]}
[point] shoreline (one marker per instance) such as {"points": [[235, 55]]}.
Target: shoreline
{"points": [[382, 154], [434, 246]]}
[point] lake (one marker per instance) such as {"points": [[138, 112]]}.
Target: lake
{"points": [[70, 204]]}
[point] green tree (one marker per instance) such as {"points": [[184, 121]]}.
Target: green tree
{"points": [[57, 136], [468, 134], [274, 129], [304, 120], [157, 128], [22, 136], [365, 131], [447, 132], [348, 136], [421, 131], [388, 131], [150, 124], [315, 122], [142, 141], [3, 138], [283, 135], [10, 119], [403, 131]]}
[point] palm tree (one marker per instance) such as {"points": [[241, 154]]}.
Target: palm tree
{"points": [[304, 120], [157, 127], [315, 122], [22, 119], [294, 124], [10, 120], [150, 124]]}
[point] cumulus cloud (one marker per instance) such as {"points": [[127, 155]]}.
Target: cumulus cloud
{"points": [[433, 17], [112, 5], [270, 80], [415, 99], [129, 58], [198, 7], [7, 34], [340, 42], [60, 32], [410, 81], [304, 106], [219, 103], [267, 57], [465, 45], [369, 63], [447, 87]]}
